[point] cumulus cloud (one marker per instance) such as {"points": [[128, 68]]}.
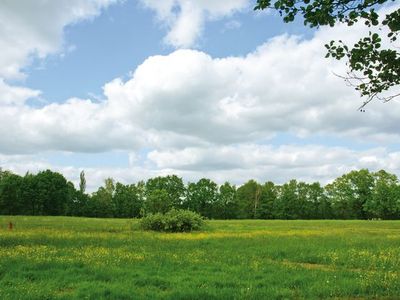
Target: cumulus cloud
{"points": [[235, 164], [15, 96], [35, 28], [276, 163], [185, 19], [200, 116], [188, 98]]}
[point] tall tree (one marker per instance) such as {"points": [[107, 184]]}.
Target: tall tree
{"points": [[171, 184], [226, 206], [248, 197], [385, 200], [126, 200], [349, 193], [82, 182], [101, 202], [202, 196], [10, 194], [52, 192], [288, 205], [268, 197]]}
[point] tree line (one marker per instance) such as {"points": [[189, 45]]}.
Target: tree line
{"points": [[358, 194]]}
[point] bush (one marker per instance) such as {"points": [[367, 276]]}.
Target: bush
{"points": [[173, 221]]}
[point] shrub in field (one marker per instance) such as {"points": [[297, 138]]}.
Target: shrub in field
{"points": [[173, 221]]}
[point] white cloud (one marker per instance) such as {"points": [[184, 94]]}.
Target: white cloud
{"points": [[185, 19], [188, 98], [15, 96], [200, 116], [235, 164], [35, 28], [240, 163], [231, 25]]}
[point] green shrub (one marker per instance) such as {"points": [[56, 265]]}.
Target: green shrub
{"points": [[173, 221]]}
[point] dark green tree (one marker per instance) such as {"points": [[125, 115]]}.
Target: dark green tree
{"points": [[268, 197], [226, 206], [46, 193], [158, 201], [248, 197], [385, 200], [202, 197], [82, 182], [349, 193], [100, 203], [287, 205], [10, 194], [171, 184], [126, 200]]}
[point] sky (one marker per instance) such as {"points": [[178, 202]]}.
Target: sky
{"points": [[198, 88]]}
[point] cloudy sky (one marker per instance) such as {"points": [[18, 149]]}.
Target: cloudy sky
{"points": [[198, 88]]}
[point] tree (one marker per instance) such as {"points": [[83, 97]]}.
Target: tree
{"points": [[126, 200], [201, 197], [10, 194], [268, 198], [52, 193], [287, 205], [158, 201], [372, 69], [226, 205], [385, 200], [101, 202], [171, 184], [82, 182], [248, 197], [349, 194]]}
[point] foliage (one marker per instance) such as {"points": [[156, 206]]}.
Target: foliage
{"points": [[202, 196], [356, 195], [350, 193], [373, 69], [172, 186], [173, 221], [249, 195], [82, 182]]}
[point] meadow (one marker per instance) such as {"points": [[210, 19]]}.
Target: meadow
{"points": [[83, 258]]}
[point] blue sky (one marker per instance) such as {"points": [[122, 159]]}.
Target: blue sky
{"points": [[125, 34], [135, 89]]}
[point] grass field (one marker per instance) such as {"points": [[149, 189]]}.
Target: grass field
{"points": [[79, 258]]}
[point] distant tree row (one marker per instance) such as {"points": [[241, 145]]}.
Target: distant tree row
{"points": [[355, 195]]}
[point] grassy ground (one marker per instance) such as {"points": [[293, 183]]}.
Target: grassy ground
{"points": [[79, 258]]}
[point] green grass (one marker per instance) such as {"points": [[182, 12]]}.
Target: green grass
{"points": [[80, 258]]}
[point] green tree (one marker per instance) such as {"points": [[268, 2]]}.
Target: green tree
{"points": [[385, 200], [78, 204], [287, 205], [48, 193], [10, 194], [158, 201], [100, 203], [171, 184], [126, 200], [226, 206], [372, 69], [248, 197], [201, 197], [82, 182], [268, 197], [321, 208], [349, 193]]}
